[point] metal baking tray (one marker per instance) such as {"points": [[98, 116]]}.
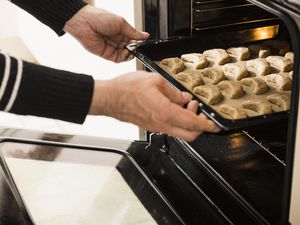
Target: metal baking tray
{"points": [[150, 52]]}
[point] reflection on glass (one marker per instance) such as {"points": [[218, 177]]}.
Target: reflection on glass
{"points": [[76, 187]]}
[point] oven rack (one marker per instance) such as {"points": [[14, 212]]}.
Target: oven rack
{"points": [[274, 147], [206, 14]]}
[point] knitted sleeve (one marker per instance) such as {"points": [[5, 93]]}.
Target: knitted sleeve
{"points": [[53, 13], [30, 89]]}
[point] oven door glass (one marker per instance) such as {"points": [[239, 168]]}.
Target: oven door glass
{"points": [[71, 185]]}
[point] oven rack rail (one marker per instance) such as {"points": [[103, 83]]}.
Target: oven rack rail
{"points": [[264, 147]]}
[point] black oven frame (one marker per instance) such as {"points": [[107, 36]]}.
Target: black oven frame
{"points": [[164, 23]]}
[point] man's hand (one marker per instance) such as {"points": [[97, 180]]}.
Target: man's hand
{"points": [[103, 33], [148, 101]]}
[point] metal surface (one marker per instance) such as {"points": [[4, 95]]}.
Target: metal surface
{"points": [[155, 202], [10, 212], [152, 51], [290, 16], [245, 170], [193, 206], [162, 18], [227, 176], [207, 14]]}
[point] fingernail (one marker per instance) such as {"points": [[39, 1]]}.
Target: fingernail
{"points": [[187, 96], [146, 33], [203, 115]]}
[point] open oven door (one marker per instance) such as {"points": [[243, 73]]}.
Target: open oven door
{"points": [[62, 179], [56, 182]]}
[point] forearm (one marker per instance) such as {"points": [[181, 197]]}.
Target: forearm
{"points": [[53, 13], [30, 89]]}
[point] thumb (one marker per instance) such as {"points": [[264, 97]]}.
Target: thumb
{"points": [[132, 34]]}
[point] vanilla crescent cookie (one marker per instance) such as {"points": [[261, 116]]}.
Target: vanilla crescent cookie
{"points": [[239, 53], [175, 65], [256, 85], [279, 81], [190, 79], [231, 89], [235, 71], [258, 67], [218, 56], [213, 74], [280, 63], [209, 93], [257, 107], [281, 101], [232, 112], [196, 60], [290, 56]]}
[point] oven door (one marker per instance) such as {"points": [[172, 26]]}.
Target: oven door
{"points": [[163, 181], [66, 183], [52, 179]]}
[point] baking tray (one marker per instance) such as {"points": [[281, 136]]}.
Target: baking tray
{"points": [[150, 52]]}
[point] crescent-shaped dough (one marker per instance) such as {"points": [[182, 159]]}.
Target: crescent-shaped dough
{"points": [[279, 81], [239, 53], [280, 63], [175, 65], [218, 55], [281, 101], [256, 85], [258, 67], [197, 60], [257, 107], [214, 75], [190, 79], [231, 89], [232, 112], [209, 93], [235, 71]]}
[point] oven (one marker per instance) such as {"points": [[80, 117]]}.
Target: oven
{"points": [[247, 174], [250, 172]]}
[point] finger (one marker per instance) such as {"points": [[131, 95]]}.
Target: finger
{"points": [[132, 34], [175, 95], [130, 57], [193, 106], [182, 133], [188, 120], [123, 55]]}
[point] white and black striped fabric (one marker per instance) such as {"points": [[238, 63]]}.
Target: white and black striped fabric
{"points": [[30, 89], [10, 80]]}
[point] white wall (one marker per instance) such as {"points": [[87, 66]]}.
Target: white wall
{"points": [[9, 27], [65, 53]]}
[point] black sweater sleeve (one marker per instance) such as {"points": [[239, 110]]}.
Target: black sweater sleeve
{"points": [[53, 13], [30, 89]]}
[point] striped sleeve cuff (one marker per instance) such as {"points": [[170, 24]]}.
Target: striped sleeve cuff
{"points": [[10, 81], [30, 89]]}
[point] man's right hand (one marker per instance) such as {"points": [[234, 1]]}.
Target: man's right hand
{"points": [[148, 101]]}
